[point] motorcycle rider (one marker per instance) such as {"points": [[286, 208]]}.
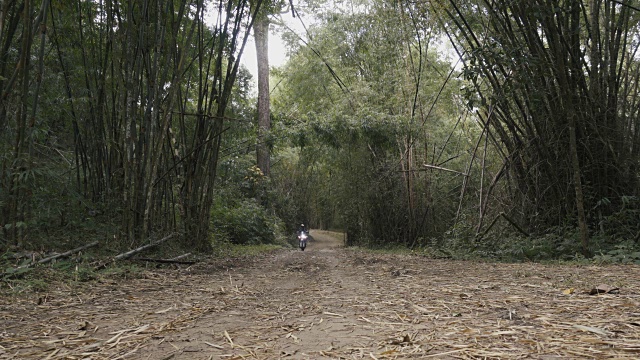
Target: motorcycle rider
{"points": [[302, 229], [303, 232]]}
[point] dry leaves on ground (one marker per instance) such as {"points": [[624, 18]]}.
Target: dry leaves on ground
{"points": [[330, 302]]}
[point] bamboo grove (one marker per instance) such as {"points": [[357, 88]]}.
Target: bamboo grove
{"points": [[557, 85], [413, 123], [139, 91]]}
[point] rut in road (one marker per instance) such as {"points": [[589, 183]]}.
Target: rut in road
{"points": [[332, 302]]}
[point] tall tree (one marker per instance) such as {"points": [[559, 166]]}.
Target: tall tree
{"points": [[261, 36]]}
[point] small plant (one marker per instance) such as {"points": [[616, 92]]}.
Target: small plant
{"points": [[627, 252]]}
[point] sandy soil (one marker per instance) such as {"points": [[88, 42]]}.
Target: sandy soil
{"points": [[334, 303]]}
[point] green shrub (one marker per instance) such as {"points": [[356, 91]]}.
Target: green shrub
{"points": [[626, 252], [244, 222], [459, 241]]}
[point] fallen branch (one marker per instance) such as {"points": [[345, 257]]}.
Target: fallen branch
{"points": [[22, 269], [167, 261], [70, 252], [130, 253]]}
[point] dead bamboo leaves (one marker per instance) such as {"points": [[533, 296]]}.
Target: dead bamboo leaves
{"points": [[347, 305]]}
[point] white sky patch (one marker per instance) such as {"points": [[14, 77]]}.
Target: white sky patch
{"points": [[277, 50]]}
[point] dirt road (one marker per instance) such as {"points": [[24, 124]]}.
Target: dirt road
{"points": [[334, 303]]}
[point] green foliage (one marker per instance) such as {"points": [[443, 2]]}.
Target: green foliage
{"points": [[553, 246], [292, 192], [238, 216], [368, 102], [244, 222], [627, 252], [356, 113], [557, 244], [620, 224], [459, 239]]}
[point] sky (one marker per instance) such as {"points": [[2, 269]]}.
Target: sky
{"points": [[277, 52], [277, 49]]}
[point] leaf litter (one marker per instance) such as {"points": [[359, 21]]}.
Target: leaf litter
{"points": [[334, 303]]}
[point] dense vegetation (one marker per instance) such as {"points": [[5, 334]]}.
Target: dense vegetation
{"points": [[502, 129], [528, 149]]}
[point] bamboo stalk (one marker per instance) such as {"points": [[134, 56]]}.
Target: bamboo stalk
{"points": [[12, 271]]}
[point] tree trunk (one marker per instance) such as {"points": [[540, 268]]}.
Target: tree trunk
{"points": [[577, 184], [261, 34]]}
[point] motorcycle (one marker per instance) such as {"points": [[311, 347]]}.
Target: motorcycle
{"points": [[302, 240]]}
